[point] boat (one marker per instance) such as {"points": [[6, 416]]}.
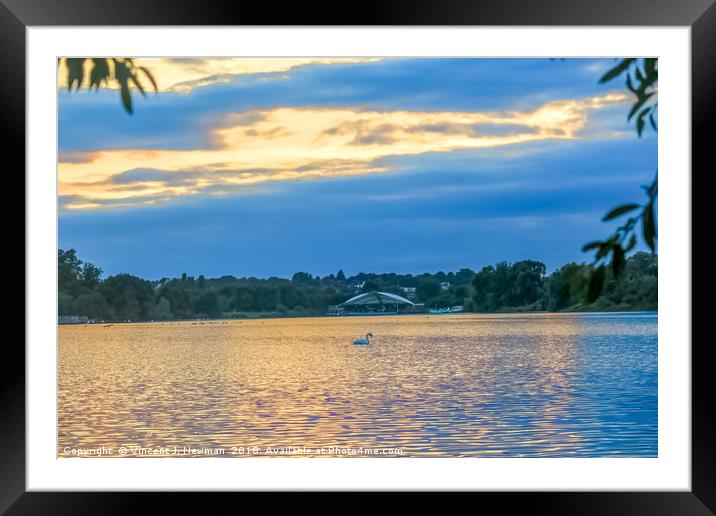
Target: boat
{"points": [[452, 310]]}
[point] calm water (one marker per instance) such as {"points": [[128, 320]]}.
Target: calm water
{"points": [[453, 385]]}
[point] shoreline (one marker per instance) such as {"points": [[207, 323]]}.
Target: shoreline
{"points": [[270, 317]]}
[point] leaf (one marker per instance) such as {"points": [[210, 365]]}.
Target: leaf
{"points": [[596, 282], [652, 120], [122, 75], [650, 65], [604, 250], [150, 77], [631, 244], [620, 210], [99, 73], [592, 245], [639, 75], [617, 260], [126, 97], [75, 72], [617, 70], [136, 83], [648, 227], [653, 189], [638, 104]]}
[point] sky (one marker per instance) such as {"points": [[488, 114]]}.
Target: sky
{"points": [[266, 167]]}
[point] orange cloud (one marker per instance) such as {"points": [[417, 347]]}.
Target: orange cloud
{"points": [[284, 144]]}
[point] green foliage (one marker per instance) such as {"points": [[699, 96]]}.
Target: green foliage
{"points": [[207, 304], [571, 287], [129, 298], [74, 275], [163, 310], [428, 289], [642, 79], [522, 285], [508, 285], [613, 250], [103, 71]]}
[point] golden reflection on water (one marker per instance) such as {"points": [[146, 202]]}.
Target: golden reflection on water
{"points": [[450, 385]]}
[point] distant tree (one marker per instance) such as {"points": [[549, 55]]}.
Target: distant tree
{"points": [[207, 304], [163, 310], [242, 300], [90, 274], [289, 295], [65, 304], [370, 286], [464, 277], [93, 305], [129, 297], [527, 280], [178, 299], [522, 285], [302, 277], [428, 289], [565, 287], [201, 282], [69, 268], [340, 276], [265, 298], [75, 276], [507, 285]]}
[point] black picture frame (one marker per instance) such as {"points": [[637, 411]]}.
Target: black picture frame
{"points": [[700, 15]]}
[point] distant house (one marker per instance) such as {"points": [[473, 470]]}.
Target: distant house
{"points": [[409, 292], [445, 285]]}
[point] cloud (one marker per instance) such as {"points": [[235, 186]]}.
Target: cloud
{"points": [[76, 157], [183, 75], [285, 144], [90, 120]]}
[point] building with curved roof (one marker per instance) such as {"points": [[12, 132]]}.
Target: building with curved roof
{"points": [[374, 303]]}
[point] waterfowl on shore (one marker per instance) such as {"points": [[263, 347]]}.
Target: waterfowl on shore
{"points": [[365, 341]]}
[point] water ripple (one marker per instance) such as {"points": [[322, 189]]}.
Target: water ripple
{"points": [[535, 385]]}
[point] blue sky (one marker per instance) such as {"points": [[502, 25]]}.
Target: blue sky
{"points": [[398, 165]]}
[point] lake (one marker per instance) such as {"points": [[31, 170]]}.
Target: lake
{"points": [[464, 385]]}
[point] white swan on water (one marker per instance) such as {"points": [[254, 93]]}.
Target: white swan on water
{"points": [[363, 341]]}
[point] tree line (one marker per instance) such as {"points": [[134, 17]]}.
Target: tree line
{"points": [[523, 285]]}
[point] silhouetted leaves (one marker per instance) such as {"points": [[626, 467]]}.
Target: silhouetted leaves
{"points": [[75, 73], [592, 245], [596, 283], [622, 66], [631, 244], [149, 76], [617, 260], [649, 227], [106, 70], [620, 210], [99, 74], [642, 77]]}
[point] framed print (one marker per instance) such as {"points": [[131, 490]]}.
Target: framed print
{"points": [[415, 250]]}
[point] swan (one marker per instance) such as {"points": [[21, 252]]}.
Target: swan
{"points": [[363, 341]]}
